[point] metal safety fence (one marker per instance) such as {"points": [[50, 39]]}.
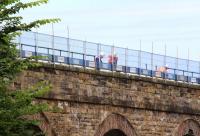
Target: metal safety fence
{"points": [[69, 51]]}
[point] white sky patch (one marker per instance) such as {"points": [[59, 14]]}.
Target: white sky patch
{"points": [[125, 23]]}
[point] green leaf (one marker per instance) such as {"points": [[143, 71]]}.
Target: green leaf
{"points": [[15, 105]]}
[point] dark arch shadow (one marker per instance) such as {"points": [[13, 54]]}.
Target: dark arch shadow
{"points": [[114, 132], [28, 130], [189, 127], [115, 124], [34, 131]]}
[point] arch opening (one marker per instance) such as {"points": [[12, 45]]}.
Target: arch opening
{"points": [[34, 130], [115, 125], [190, 133], [114, 132], [188, 127]]}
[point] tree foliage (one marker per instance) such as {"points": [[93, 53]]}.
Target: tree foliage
{"points": [[14, 105]]}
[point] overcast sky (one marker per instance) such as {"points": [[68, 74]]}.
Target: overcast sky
{"points": [[175, 23]]}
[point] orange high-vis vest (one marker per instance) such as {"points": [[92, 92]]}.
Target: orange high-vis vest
{"points": [[112, 59]]}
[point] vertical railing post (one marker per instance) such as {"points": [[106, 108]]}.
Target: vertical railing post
{"points": [[126, 58], [152, 63], [165, 62], [84, 53], [176, 57], [112, 56], [101, 51], [199, 69], [175, 74], [139, 58], [98, 50], [53, 51], [68, 46], [20, 46], [36, 43], [68, 51], [188, 61], [97, 54], [48, 53]]}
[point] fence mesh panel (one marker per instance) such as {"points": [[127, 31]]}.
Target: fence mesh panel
{"points": [[44, 44]]}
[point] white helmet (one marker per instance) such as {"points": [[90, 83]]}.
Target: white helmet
{"points": [[102, 54], [114, 54]]}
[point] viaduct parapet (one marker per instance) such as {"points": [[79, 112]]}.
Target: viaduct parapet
{"points": [[100, 103]]}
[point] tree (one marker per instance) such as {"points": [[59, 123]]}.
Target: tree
{"points": [[15, 105]]}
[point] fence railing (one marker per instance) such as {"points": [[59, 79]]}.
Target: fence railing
{"points": [[82, 53]]}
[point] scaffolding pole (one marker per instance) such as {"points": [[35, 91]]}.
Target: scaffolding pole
{"points": [[53, 51]]}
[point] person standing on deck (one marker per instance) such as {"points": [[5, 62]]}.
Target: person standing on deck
{"points": [[112, 61], [163, 69], [98, 60]]}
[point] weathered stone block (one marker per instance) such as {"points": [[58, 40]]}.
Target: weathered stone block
{"points": [[92, 103]]}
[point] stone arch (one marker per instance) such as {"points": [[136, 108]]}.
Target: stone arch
{"points": [[189, 127], [44, 124], [115, 123]]}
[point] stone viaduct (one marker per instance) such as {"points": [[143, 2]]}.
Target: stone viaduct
{"points": [[100, 103]]}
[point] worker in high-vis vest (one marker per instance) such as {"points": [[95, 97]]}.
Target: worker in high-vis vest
{"points": [[112, 61], [163, 69]]}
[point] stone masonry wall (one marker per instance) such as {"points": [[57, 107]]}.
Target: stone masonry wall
{"points": [[88, 98]]}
